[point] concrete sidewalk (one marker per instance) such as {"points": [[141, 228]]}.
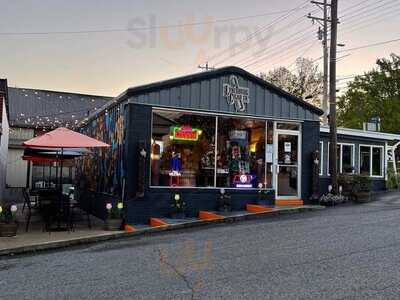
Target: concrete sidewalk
{"points": [[37, 240]]}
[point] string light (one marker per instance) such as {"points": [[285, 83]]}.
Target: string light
{"points": [[53, 119]]}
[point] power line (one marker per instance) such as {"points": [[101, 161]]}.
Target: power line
{"points": [[370, 45], [286, 54], [252, 35], [259, 52], [279, 51], [368, 7], [382, 16], [303, 53], [371, 12], [281, 42], [146, 28], [349, 8]]}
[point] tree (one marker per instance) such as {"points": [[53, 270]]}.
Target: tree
{"points": [[305, 82], [374, 94]]}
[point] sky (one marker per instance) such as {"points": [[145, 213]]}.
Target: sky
{"points": [[131, 46]]}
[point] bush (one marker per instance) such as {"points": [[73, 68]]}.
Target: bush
{"points": [[393, 180], [361, 183]]}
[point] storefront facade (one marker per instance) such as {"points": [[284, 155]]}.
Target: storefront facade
{"points": [[366, 153], [195, 135]]}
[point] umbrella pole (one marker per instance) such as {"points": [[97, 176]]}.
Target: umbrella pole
{"points": [[61, 184]]}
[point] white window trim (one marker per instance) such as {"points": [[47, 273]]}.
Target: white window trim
{"points": [[370, 159], [340, 167], [321, 159], [353, 150]]}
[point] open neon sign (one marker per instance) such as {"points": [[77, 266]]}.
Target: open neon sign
{"points": [[185, 133]]}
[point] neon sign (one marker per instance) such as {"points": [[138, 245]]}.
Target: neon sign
{"points": [[243, 181], [185, 133]]}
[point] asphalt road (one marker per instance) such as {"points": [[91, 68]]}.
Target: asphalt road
{"points": [[349, 252]]}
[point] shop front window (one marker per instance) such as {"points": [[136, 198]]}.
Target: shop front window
{"points": [[347, 159], [182, 149], [377, 161], [371, 161], [241, 153], [365, 160]]}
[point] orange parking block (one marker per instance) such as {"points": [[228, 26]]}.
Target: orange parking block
{"points": [[292, 202], [257, 208], [155, 222], [206, 215], [129, 228]]}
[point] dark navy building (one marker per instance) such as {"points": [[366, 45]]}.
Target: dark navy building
{"points": [[197, 135]]}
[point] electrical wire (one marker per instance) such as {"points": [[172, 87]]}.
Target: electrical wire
{"points": [[145, 28], [294, 52], [264, 51], [367, 22], [349, 15], [262, 29], [372, 12], [279, 51], [370, 45], [295, 22]]}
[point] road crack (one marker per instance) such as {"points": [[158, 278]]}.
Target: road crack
{"points": [[164, 261]]}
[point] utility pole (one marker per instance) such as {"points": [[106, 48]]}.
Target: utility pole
{"points": [[326, 70], [323, 35], [332, 98]]}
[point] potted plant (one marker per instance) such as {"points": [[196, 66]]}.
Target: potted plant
{"points": [[114, 216], [346, 182], [224, 201], [178, 207], [8, 222], [362, 189]]}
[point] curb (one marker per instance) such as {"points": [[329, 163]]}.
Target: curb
{"points": [[152, 230]]}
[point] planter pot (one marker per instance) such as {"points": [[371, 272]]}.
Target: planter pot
{"points": [[8, 230], [180, 215], [363, 197], [112, 224]]}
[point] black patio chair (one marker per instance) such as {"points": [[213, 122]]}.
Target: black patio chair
{"points": [[31, 209], [28, 199]]}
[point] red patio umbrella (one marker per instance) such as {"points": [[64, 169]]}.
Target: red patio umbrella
{"points": [[63, 138]]}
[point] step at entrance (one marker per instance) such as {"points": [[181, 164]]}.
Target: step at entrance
{"points": [[210, 216], [291, 202], [253, 208]]}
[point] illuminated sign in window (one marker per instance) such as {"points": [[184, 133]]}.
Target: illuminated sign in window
{"points": [[185, 133]]}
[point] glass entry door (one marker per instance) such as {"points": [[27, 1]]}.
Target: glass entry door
{"points": [[288, 176]]}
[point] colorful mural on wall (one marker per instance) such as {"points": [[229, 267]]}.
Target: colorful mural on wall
{"points": [[103, 171]]}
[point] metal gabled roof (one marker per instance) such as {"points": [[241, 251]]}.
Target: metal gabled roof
{"points": [[42, 108]]}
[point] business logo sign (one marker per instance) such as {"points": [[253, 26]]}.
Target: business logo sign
{"points": [[236, 95]]}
